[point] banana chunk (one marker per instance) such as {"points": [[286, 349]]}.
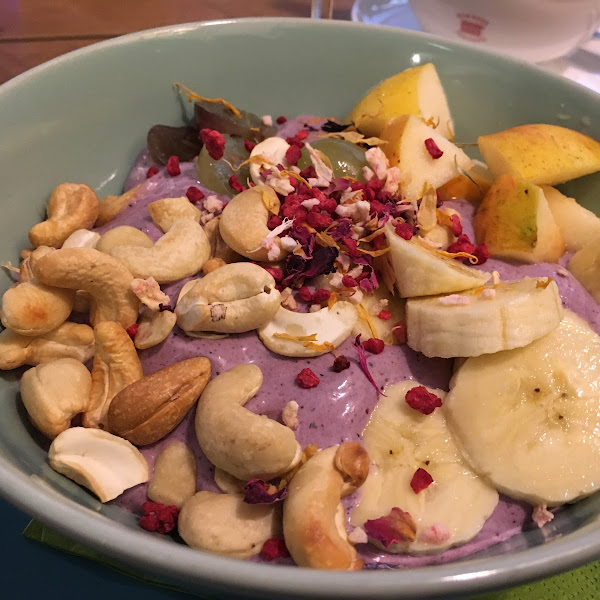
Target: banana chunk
{"points": [[421, 271], [528, 419], [399, 439], [509, 315]]}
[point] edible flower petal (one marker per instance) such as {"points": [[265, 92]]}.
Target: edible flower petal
{"points": [[258, 491], [395, 527]]}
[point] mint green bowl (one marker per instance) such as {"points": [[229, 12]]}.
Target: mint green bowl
{"points": [[83, 117]]}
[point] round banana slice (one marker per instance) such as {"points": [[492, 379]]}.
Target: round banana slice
{"points": [[508, 315], [422, 271], [528, 419], [400, 440]]}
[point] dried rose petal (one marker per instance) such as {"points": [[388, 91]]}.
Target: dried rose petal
{"points": [[258, 491], [341, 363], [151, 172], [159, 517], [420, 480], [395, 527], [194, 194], [320, 295], [374, 345], [399, 332], [173, 166], [433, 148], [421, 399], [235, 184], [307, 379], [214, 142], [404, 230], [274, 548]]}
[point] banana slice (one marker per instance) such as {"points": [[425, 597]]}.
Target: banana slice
{"points": [[400, 440], [528, 419], [421, 271], [509, 315], [308, 334]]}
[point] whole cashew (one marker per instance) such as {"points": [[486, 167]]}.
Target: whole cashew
{"points": [[54, 392], [111, 206], [71, 206], [231, 299], [244, 444], [32, 308], [225, 524], [166, 211], [179, 253], [116, 365], [243, 222], [124, 235], [154, 328], [314, 518], [69, 340], [106, 279]]}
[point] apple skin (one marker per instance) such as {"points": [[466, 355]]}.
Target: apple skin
{"points": [[577, 224], [405, 148], [417, 91], [515, 222], [461, 187], [540, 153]]}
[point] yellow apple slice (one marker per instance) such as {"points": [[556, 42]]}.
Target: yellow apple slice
{"points": [[540, 153], [578, 225], [405, 148], [585, 266], [416, 91], [472, 188], [515, 221]]}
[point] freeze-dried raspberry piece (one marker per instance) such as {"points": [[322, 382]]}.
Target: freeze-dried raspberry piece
{"points": [[320, 295], [235, 184], [307, 379], [194, 194], [385, 315], [420, 480], [399, 332], [274, 221], [275, 272], [462, 244], [280, 120], [433, 148], [341, 363], [305, 294], [422, 400], [159, 517], [374, 345], [481, 253], [274, 548], [132, 330], [214, 143], [349, 281], [173, 166], [249, 145], [404, 230], [151, 172], [293, 154], [395, 527], [317, 220], [456, 225]]}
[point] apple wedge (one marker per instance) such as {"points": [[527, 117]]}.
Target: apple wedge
{"points": [[540, 153], [417, 91], [472, 188], [585, 266], [577, 225], [422, 271], [515, 221], [405, 148]]}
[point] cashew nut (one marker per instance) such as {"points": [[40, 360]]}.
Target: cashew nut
{"points": [[69, 340], [228, 483], [225, 524], [104, 463], [218, 248], [232, 299], [111, 206], [116, 365], [179, 253], [124, 235], [314, 523], [243, 223], [71, 206], [106, 279], [154, 328], [308, 334], [26, 266], [174, 477], [54, 392], [244, 444], [166, 211], [32, 308], [82, 238]]}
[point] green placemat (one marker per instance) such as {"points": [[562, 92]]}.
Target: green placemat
{"points": [[579, 584]]}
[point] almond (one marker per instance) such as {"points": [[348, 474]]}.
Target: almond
{"points": [[150, 408]]}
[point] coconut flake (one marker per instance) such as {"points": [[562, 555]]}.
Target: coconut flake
{"points": [[149, 293], [454, 299]]}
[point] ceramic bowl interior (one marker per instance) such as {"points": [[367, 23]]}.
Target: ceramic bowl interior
{"points": [[84, 116]]}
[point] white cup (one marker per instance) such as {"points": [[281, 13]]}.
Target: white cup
{"points": [[536, 30]]}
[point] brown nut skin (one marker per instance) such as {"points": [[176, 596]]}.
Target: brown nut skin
{"points": [[148, 409], [71, 206], [313, 531]]}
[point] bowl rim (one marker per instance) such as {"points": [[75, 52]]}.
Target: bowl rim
{"points": [[196, 567]]}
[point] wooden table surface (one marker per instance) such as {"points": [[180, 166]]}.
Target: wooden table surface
{"points": [[34, 31]]}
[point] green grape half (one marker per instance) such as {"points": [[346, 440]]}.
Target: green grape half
{"points": [[347, 159]]}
